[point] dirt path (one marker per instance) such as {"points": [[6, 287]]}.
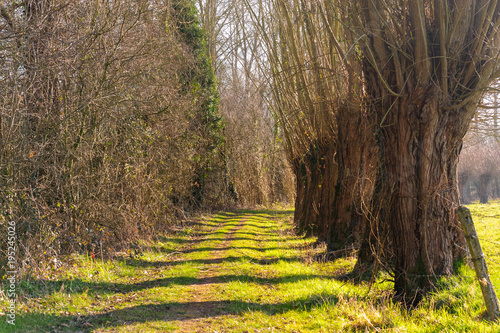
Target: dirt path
{"points": [[201, 303], [231, 272]]}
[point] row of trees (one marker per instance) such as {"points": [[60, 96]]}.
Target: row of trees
{"points": [[479, 170], [374, 99], [109, 124]]}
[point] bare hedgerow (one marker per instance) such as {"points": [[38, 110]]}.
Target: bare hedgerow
{"points": [[99, 136]]}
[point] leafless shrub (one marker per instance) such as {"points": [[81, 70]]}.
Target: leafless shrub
{"points": [[100, 139]]}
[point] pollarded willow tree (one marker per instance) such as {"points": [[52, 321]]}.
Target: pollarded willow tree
{"points": [[426, 65], [317, 96], [302, 95]]}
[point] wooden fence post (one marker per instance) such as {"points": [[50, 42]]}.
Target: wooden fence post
{"points": [[490, 298]]}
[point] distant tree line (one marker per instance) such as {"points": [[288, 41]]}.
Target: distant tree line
{"points": [[479, 167], [255, 146]]}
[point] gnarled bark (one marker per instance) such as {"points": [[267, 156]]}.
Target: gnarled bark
{"points": [[425, 66], [483, 188], [419, 186], [316, 176], [356, 158]]}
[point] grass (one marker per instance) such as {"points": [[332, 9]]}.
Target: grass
{"points": [[243, 271]]}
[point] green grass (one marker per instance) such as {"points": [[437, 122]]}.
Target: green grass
{"points": [[243, 272]]}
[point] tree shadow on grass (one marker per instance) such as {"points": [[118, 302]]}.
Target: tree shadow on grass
{"points": [[257, 226], [229, 259], [161, 249], [267, 212], [168, 250], [199, 236], [216, 221], [201, 240], [239, 233], [41, 288], [167, 312], [211, 249]]}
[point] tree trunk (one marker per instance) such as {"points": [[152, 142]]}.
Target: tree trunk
{"points": [[327, 193], [316, 176], [484, 182], [463, 184], [496, 188], [306, 208], [423, 79], [375, 242], [418, 173], [355, 157]]}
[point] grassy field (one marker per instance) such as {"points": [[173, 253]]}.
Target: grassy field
{"points": [[243, 272]]}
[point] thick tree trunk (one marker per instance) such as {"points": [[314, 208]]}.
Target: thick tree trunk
{"points": [[316, 176], [423, 80], [355, 157], [306, 210], [328, 193], [419, 190], [333, 181]]}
